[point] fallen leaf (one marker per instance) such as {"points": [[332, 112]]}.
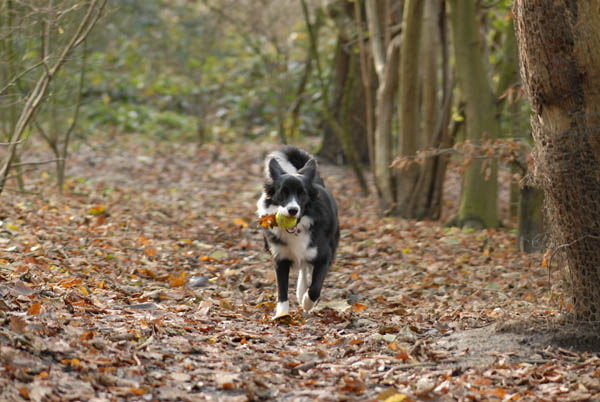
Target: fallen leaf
{"points": [[177, 280], [267, 221], [396, 398], [97, 210], [545, 259], [86, 336], [240, 222], [359, 308], [35, 308], [24, 393], [137, 391], [17, 324]]}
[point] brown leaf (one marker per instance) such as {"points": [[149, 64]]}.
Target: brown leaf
{"points": [[359, 308], [97, 210], [35, 308], [240, 222], [23, 289], [24, 393], [18, 325], [545, 259], [267, 221], [86, 336], [177, 280], [137, 391]]}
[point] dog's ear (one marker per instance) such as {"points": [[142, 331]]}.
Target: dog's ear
{"points": [[309, 170], [275, 169]]}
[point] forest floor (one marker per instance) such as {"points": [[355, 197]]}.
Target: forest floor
{"points": [[148, 280]]}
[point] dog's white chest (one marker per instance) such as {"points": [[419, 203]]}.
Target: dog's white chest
{"points": [[296, 246]]}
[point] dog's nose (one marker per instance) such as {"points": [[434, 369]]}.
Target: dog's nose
{"points": [[292, 211]]}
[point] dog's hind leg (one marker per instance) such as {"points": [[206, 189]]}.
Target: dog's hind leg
{"points": [[282, 270]]}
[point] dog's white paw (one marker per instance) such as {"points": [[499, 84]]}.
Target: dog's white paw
{"points": [[283, 308], [307, 303]]}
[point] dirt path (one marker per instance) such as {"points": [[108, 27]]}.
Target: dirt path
{"points": [[148, 281]]}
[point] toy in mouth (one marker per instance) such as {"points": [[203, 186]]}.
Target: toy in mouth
{"points": [[286, 222]]}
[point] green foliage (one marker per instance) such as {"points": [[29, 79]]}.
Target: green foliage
{"points": [[132, 118], [163, 68]]}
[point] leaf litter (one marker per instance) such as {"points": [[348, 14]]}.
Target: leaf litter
{"points": [[148, 280]]}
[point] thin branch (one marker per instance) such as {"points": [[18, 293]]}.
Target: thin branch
{"points": [[46, 136], [313, 44], [14, 80], [5, 144], [37, 163], [41, 87], [557, 248], [77, 104], [81, 34]]}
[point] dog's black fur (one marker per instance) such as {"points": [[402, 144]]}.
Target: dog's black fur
{"points": [[294, 187]]}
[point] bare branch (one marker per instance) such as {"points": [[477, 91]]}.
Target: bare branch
{"points": [[14, 80], [34, 163], [560, 247], [41, 87], [5, 144]]}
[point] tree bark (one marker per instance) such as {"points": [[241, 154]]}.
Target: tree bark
{"points": [[386, 66], [426, 196], [348, 92], [531, 229], [408, 105], [559, 53], [479, 197]]}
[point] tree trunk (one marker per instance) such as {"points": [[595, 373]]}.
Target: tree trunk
{"points": [[479, 197], [558, 48], [425, 199], [348, 91], [386, 66], [341, 134], [531, 230], [408, 105]]}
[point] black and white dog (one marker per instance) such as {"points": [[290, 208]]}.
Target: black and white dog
{"points": [[294, 188]]}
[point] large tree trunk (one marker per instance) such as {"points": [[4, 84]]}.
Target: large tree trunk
{"points": [[348, 95], [479, 197], [408, 105], [559, 52], [425, 199]]}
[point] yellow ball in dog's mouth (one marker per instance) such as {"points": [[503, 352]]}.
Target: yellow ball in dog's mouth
{"points": [[286, 222]]}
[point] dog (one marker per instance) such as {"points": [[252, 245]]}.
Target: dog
{"points": [[294, 188]]}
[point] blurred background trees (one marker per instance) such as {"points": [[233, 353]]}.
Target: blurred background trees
{"points": [[401, 87]]}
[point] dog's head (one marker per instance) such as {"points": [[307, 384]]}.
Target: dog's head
{"points": [[291, 192]]}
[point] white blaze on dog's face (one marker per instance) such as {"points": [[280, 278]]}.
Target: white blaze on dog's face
{"points": [[291, 209], [290, 193]]}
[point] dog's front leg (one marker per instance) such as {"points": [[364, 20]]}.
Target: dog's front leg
{"points": [[302, 281], [311, 296], [282, 269]]}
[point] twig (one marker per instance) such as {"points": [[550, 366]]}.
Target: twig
{"points": [[37, 163], [40, 89], [19, 191], [407, 366], [6, 144], [14, 80], [568, 245]]}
